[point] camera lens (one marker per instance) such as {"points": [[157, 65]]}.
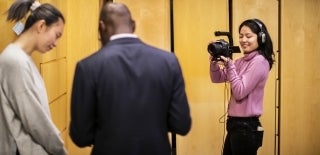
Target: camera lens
{"points": [[218, 48], [215, 48]]}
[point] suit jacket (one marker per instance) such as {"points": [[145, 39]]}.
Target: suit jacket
{"points": [[126, 98]]}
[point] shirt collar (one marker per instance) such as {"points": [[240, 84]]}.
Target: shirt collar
{"points": [[123, 35], [250, 55]]}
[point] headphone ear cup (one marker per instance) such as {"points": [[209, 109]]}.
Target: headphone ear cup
{"points": [[261, 34], [262, 37]]}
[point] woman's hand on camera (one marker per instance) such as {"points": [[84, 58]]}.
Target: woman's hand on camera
{"points": [[213, 60], [225, 59]]}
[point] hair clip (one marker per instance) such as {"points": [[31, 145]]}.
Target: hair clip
{"points": [[35, 5], [18, 28]]}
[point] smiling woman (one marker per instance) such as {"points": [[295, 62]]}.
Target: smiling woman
{"points": [[247, 76], [25, 117]]}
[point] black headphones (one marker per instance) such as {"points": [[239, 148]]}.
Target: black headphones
{"points": [[261, 34]]}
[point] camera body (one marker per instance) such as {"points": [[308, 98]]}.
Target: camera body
{"points": [[221, 48]]}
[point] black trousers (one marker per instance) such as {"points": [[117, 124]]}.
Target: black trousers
{"points": [[244, 136]]}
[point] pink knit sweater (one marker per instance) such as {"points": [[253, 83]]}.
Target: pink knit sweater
{"points": [[247, 77]]}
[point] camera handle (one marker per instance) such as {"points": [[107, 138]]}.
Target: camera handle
{"points": [[223, 33], [228, 34]]}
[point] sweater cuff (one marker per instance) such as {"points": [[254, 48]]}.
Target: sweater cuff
{"points": [[214, 67]]}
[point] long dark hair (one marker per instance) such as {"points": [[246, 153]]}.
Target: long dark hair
{"points": [[47, 12], [265, 48]]}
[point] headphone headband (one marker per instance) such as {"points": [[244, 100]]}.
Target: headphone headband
{"points": [[258, 23]]}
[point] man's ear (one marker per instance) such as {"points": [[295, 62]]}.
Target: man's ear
{"points": [[102, 26], [133, 25]]}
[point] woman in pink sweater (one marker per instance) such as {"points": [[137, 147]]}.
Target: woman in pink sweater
{"points": [[247, 77]]}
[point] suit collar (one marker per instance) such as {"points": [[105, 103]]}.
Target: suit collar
{"points": [[123, 35], [123, 41]]}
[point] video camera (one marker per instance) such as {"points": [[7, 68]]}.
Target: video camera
{"points": [[222, 47]]}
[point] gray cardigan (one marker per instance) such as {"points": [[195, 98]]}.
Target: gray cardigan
{"points": [[25, 121]]}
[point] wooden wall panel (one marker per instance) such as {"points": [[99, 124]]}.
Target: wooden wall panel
{"points": [[195, 23], [59, 112], [59, 115], [82, 40], [300, 108], [152, 21], [6, 33], [54, 74]]}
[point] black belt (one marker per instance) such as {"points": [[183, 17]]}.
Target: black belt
{"points": [[232, 118]]}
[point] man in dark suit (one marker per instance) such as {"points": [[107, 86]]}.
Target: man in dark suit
{"points": [[127, 96]]}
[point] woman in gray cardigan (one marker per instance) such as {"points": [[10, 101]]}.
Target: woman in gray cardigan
{"points": [[26, 125]]}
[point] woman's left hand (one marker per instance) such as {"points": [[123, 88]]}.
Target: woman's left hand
{"points": [[225, 59]]}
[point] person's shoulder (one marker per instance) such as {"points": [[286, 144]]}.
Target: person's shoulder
{"points": [[161, 51], [92, 57], [13, 56], [261, 61], [261, 58]]}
